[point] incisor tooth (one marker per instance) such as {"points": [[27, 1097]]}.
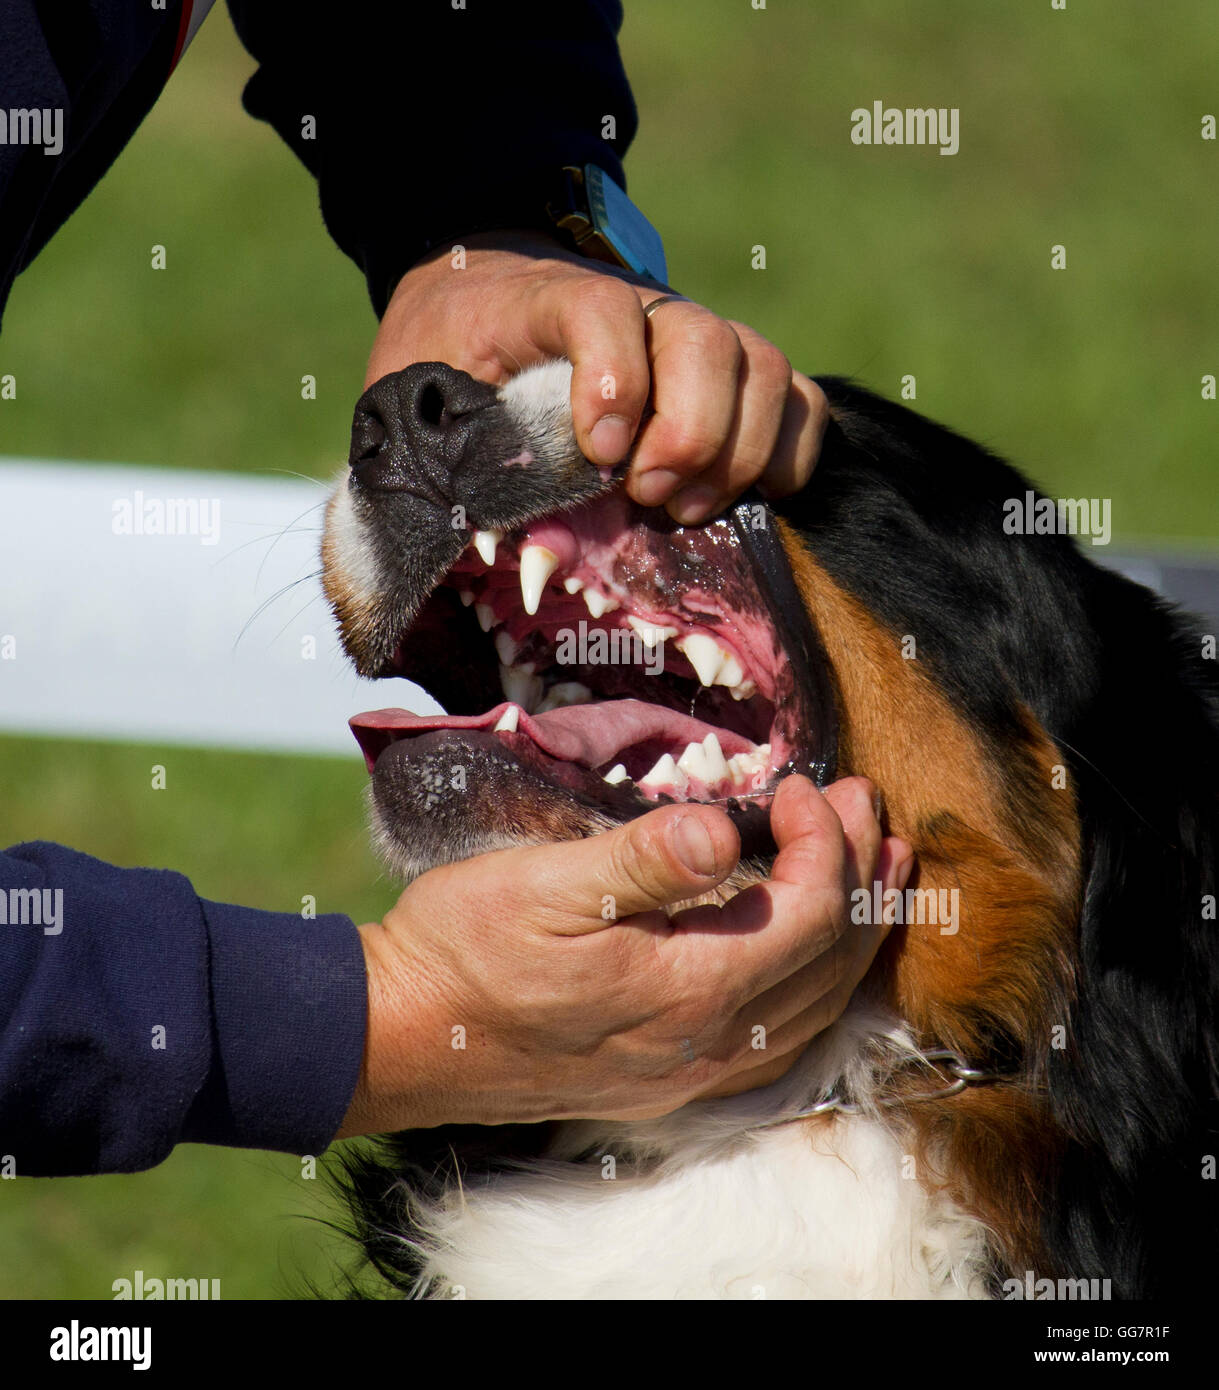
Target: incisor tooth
{"points": [[704, 654], [508, 720], [598, 604], [506, 648], [466, 596], [537, 565], [520, 687], [485, 543], [485, 615], [572, 584], [616, 774]]}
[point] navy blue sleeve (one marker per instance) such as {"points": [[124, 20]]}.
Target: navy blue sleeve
{"points": [[422, 122], [135, 1015]]}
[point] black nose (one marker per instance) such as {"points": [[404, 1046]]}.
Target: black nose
{"points": [[414, 425]]}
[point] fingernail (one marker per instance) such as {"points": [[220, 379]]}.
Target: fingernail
{"points": [[695, 504], [610, 439], [694, 846], [656, 486]]}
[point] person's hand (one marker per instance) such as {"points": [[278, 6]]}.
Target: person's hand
{"points": [[728, 410], [547, 982]]}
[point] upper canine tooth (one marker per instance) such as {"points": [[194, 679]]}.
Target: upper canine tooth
{"points": [[573, 586], [537, 565], [485, 543], [508, 720], [485, 615], [520, 687], [598, 604], [506, 648], [730, 672], [704, 654]]}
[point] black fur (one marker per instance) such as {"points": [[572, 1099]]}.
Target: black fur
{"points": [[908, 517]]}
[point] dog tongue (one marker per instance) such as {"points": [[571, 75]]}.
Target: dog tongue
{"points": [[590, 735]]}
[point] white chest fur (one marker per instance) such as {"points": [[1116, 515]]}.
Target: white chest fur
{"points": [[829, 1208]]}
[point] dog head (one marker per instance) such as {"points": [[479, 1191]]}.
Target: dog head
{"points": [[1043, 732]]}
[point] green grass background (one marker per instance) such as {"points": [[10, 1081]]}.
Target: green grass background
{"points": [[1079, 127]]}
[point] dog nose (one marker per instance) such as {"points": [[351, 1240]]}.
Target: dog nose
{"points": [[415, 424]]}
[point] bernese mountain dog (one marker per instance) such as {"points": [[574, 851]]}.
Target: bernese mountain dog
{"points": [[1022, 1095]]}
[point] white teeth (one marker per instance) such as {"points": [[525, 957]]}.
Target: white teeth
{"points": [[485, 615], [730, 672], [572, 584], [506, 648], [751, 770], [485, 543], [713, 755], [616, 774], [665, 773], [704, 654], [466, 596], [537, 565], [745, 691], [520, 687], [565, 693], [508, 720], [651, 634], [693, 762], [598, 603]]}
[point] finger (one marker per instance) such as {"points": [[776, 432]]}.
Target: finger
{"points": [[763, 387], [857, 805], [597, 322], [696, 361], [580, 886], [805, 419], [771, 929]]}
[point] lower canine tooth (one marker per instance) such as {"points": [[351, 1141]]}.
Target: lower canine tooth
{"points": [[664, 773], [520, 687], [565, 693], [485, 615], [537, 565], [485, 543], [508, 721], [616, 774]]}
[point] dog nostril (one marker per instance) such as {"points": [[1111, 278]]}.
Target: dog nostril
{"points": [[430, 406]]}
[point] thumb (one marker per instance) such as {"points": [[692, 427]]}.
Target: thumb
{"points": [[674, 853]]}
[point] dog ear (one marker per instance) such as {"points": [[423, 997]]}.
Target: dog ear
{"points": [[1133, 1077]]}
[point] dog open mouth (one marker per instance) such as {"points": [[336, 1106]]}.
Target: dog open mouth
{"points": [[593, 653]]}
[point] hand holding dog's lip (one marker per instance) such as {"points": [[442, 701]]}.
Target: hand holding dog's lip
{"points": [[726, 409], [626, 1013]]}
